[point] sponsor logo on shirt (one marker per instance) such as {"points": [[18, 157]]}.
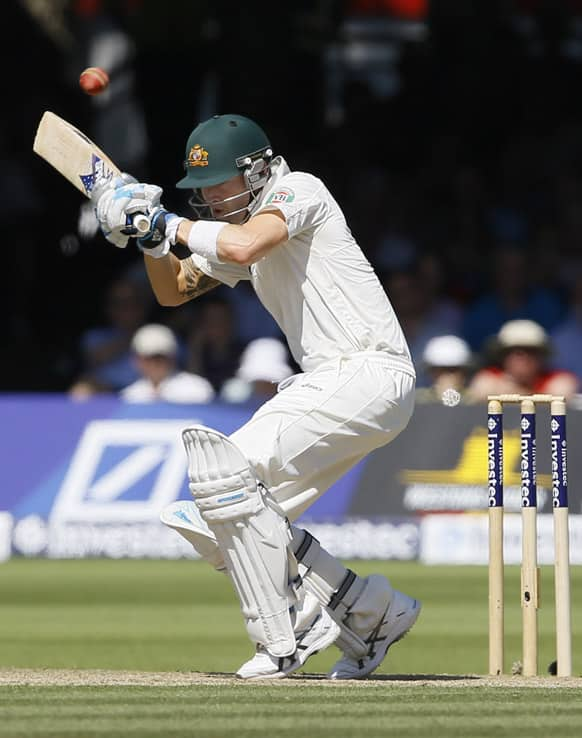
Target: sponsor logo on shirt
{"points": [[281, 196]]}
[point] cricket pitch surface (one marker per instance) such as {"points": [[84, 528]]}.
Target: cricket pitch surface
{"points": [[99, 677]]}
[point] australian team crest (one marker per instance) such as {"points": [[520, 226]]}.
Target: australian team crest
{"points": [[198, 157]]}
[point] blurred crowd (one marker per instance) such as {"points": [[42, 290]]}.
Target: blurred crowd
{"points": [[450, 133]]}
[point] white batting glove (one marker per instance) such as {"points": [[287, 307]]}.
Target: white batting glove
{"points": [[117, 205], [99, 188]]}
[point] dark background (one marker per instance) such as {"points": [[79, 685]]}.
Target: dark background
{"points": [[454, 126]]}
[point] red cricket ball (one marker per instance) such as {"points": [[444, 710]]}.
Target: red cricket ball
{"points": [[94, 80]]}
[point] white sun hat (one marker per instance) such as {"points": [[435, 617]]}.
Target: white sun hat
{"points": [[264, 359], [523, 334], [447, 351], [154, 339]]}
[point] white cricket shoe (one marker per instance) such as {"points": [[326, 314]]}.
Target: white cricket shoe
{"points": [[397, 620], [319, 634]]}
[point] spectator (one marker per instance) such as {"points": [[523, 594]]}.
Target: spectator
{"points": [[106, 358], [85, 388], [264, 363], [155, 351], [443, 309], [447, 361], [252, 321], [512, 297], [523, 350], [567, 337], [422, 313], [213, 347]]}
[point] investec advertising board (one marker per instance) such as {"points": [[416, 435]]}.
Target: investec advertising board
{"points": [[90, 479]]}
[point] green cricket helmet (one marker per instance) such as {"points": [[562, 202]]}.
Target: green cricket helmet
{"points": [[217, 150]]}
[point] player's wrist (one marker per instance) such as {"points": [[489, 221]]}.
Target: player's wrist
{"points": [[171, 225], [202, 238]]}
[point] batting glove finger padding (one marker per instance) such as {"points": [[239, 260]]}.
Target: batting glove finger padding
{"points": [[117, 205]]}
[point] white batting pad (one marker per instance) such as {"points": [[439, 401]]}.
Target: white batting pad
{"points": [[252, 534], [184, 517]]}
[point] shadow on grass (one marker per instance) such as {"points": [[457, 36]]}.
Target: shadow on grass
{"points": [[392, 678], [301, 677]]}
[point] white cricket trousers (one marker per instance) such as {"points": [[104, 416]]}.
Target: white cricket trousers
{"points": [[315, 429]]}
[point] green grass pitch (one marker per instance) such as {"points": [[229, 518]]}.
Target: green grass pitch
{"points": [[181, 617]]}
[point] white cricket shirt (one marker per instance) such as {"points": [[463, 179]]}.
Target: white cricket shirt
{"points": [[318, 285]]}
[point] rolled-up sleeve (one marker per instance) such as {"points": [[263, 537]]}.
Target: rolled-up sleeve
{"points": [[227, 273]]}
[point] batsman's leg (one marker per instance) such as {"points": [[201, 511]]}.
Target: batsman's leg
{"points": [[314, 628], [294, 449], [372, 615], [254, 539]]}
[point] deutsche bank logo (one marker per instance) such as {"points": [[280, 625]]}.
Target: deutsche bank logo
{"points": [[123, 471]]}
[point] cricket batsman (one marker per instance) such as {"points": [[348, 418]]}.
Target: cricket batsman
{"points": [[255, 219]]}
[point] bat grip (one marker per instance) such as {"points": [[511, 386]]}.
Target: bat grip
{"points": [[141, 224]]}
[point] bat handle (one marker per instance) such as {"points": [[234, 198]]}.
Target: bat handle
{"points": [[141, 223]]}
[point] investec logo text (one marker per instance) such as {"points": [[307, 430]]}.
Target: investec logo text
{"points": [[559, 471], [494, 466], [123, 471], [462, 487], [528, 469]]}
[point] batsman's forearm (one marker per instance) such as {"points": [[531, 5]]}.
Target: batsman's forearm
{"points": [[242, 244], [176, 281], [163, 276]]}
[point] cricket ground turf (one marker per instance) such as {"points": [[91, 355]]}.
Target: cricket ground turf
{"points": [[148, 648]]}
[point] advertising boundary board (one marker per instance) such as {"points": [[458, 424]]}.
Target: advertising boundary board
{"points": [[89, 479]]}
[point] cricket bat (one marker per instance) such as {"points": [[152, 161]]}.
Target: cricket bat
{"points": [[77, 158]]}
